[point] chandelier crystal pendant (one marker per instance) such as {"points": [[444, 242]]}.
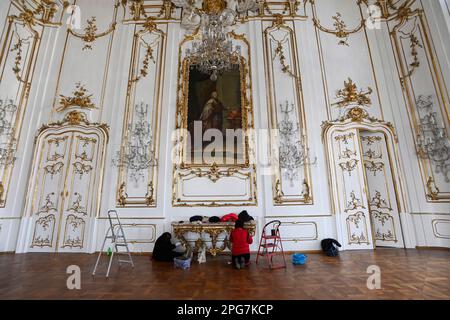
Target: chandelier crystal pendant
{"points": [[432, 141], [8, 144], [137, 155], [215, 53], [292, 152]]}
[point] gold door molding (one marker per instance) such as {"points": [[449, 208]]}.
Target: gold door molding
{"points": [[145, 86], [290, 186], [65, 185], [19, 49], [421, 75], [350, 197], [216, 176]]}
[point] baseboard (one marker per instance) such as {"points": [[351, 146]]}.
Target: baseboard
{"points": [[228, 252], [431, 248], [251, 252]]}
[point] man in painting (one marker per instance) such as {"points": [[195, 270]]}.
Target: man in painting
{"points": [[212, 114]]}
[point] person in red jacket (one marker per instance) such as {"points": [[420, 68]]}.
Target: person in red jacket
{"points": [[240, 245]]}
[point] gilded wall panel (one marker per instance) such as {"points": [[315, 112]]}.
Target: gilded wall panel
{"points": [[289, 153], [19, 50], [85, 62], [137, 184], [341, 33], [427, 96]]}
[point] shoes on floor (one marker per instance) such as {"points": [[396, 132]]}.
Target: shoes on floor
{"points": [[237, 264], [242, 263]]}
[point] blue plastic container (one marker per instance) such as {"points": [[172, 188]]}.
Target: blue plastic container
{"points": [[182, 263], [299, 259]]}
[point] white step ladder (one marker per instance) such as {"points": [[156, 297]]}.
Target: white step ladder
{"points": [[117, 236]]}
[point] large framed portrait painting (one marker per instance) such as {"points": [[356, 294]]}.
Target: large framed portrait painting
{"points": [[214, 118], [214, 124]]}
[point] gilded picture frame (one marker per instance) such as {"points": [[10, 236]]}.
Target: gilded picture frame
{"points": [[246, 114], [220, 175]]}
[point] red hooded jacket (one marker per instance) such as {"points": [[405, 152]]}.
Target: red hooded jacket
{"points": [[240, 240]]}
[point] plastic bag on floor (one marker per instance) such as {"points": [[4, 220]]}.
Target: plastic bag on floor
{"points": [[299, 259]]}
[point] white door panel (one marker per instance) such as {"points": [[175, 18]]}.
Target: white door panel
{"points": [[65, 184], [383, 204], [352, 209]]}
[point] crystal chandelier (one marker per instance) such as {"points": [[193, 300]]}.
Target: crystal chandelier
{"points": [[215, 52], [432, 142], [293, 152], [137, 156], [8, 144]]}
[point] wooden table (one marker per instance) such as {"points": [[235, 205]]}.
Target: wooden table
{"points": [[213, 230]]}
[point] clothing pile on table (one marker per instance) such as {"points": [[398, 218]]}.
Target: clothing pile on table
{"points": [[230, 217]]}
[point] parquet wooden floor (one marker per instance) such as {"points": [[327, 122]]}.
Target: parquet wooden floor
{"points": [[405, 274]]}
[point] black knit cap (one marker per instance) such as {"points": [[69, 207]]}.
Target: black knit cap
{"points": [[244, 216], [214, 219]]}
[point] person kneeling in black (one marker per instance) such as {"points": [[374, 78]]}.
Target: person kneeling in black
{"points": [[163, 250]]}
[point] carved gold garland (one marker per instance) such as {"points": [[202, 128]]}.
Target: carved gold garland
{"points": [[79, 99], [357, 100], [90, 34], [351, 95], [279, 50], [18, 59], [149, 26], [414, 54], [340, 26]]}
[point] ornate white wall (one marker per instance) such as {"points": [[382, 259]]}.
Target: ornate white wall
{"points": [[318, 59]]}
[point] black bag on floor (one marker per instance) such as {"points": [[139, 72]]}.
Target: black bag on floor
{"points": [[329, 247]]}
